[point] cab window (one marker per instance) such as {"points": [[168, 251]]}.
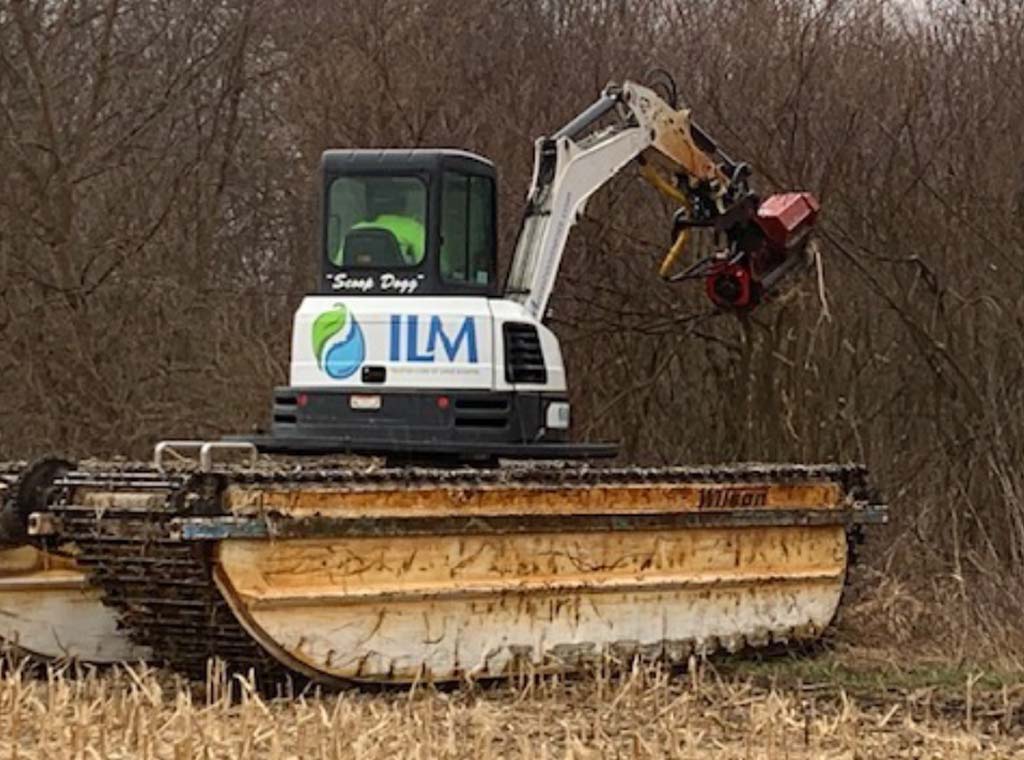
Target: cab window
{"points": [[467, 229], [377, 222]]}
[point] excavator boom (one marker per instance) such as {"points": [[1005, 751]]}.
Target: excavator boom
{"points": [[765, 241]]}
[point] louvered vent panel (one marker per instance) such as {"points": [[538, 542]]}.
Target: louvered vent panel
{"points": [[524, 360]]}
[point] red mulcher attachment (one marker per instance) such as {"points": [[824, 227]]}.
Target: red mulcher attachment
{"points": [[765, 251], [729, 285]]}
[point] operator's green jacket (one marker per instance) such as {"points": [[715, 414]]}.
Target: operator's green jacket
{"points": [[408, 232]]}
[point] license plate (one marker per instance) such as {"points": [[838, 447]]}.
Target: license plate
{"points": [[364, 403]]}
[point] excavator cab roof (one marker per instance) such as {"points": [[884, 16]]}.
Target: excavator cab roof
{"points": [[407, 222], [343, 161]]}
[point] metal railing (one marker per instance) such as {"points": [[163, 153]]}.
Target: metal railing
{"points": [[202, 450]]}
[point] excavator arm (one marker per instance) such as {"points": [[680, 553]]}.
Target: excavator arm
{"points": [[764, 241]]}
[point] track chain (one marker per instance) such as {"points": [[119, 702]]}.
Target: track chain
{"points": [[10, 527], [9, 473]]}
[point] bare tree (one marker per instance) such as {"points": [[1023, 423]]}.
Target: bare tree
{"points": [[156, 222]]}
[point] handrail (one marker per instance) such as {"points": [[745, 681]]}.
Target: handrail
{"points": [[203, 451]]}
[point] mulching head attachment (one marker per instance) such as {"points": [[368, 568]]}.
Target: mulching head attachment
{"points": [[767, 242]]}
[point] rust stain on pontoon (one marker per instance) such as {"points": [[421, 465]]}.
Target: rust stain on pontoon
{"points": [[510, 500], [455, 604], [27, 560]]}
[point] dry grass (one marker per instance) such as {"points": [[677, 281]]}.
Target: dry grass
{"points": [[902, 679], [148, 714], [922, 619]]}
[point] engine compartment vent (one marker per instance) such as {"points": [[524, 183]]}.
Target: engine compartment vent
{"points": [[482, 412], [524, 360]]}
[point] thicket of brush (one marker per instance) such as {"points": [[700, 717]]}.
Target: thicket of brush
{"points": [[157, 227]]}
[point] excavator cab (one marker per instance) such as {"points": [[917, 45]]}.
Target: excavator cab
{"points": [[407, 222]]}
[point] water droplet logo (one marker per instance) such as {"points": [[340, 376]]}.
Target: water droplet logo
{"points": [[338, 343]]}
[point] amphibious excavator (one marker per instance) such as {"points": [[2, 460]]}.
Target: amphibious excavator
{"points": [[487, 543]]}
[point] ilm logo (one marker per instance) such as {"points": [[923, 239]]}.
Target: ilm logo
{"points": [[429, 343], [732, 498]]}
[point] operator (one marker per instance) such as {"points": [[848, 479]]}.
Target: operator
{"points": [[387, 210]]}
